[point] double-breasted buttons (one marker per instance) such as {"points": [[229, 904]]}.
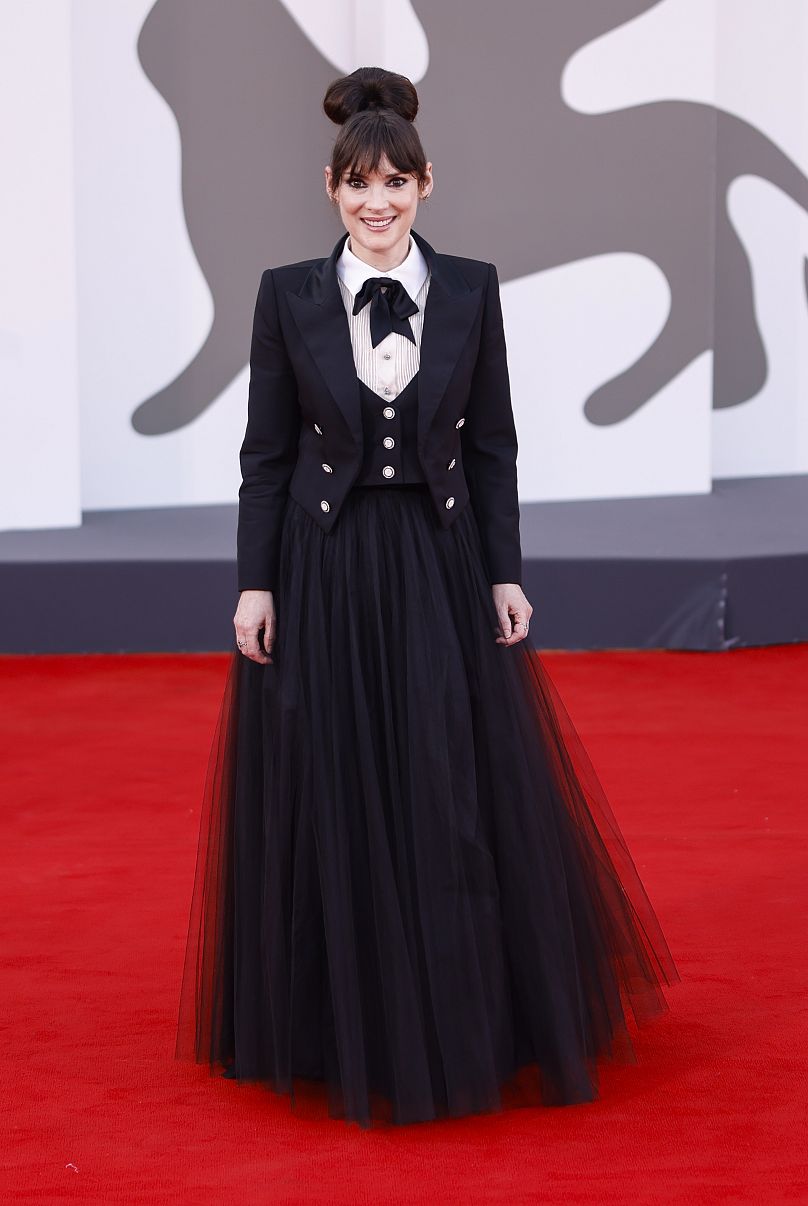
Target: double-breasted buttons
{"points": [[449, 502], [318, 429], [389, 412], [324, 505], [389, 442], [460, 422], [388, 471], [451, 464], [327, 468]]}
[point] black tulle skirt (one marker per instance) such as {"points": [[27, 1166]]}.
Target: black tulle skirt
{"points": [[411, 899]]}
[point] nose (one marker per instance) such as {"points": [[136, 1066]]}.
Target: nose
{"points": [[375, 200]]}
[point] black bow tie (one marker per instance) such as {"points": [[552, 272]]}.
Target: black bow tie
{"points": [[389, 311]]}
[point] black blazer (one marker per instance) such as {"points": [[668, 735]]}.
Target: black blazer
{"points": [[304, 409]]}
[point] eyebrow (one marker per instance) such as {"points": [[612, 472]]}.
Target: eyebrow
{"points": [[389, 175]]}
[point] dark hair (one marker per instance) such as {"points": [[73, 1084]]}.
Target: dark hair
{"points": [[376, 110]]}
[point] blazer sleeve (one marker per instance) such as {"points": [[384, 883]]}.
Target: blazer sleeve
{"points": [[489, 443], [269, 450]]}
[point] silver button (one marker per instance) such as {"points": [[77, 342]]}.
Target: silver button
{"points": [[388, 391], [324, 505], [449, 502], [389, 412], [327, 468], [389, 442], [451, 464], [387, 355], [388, 471], [318, 429], [460, 422]]}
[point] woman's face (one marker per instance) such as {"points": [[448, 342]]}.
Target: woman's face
{"points": [[378, 211]]}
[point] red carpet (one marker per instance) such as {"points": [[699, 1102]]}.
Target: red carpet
{"points": [[705, 758]]}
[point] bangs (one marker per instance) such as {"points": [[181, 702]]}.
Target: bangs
{"points": [[368, 140]]}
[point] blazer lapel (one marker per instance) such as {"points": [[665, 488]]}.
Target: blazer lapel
{"points": [[319, 311], [451, 306]]}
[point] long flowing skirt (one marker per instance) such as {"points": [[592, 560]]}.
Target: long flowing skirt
{"points": [[411, 897]]}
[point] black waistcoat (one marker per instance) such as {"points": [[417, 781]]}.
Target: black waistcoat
{"points": [[398, 425]]}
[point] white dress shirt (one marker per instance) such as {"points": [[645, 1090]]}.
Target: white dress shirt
{"points": [[391, 365]]}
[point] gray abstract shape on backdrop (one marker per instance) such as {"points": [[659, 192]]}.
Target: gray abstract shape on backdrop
{"points": [[245, 85], [525, 181]]}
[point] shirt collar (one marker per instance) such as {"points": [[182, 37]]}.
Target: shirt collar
{"points": [[412, 272]]}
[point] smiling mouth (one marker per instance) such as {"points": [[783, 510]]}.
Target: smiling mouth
{"points": [[373, 224]]}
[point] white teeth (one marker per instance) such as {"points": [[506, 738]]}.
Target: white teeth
{"points": [[377, 225]]}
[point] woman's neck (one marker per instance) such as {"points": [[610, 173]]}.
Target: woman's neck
{"points": [[377, 266]]}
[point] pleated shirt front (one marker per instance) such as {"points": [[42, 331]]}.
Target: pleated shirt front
{"points": [[388, 373]]}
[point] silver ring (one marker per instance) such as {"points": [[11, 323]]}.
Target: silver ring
{"points": [[241, 644]]}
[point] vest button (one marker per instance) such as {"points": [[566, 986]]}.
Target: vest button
{"points": [[449, 502], [389, 412], [327, 468], [318, 429], [389, 442], [388, 471], [451, 464], [460, 422], [324, 505]]}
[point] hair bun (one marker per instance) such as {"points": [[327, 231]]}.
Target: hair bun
{"points": [[370, 88]]}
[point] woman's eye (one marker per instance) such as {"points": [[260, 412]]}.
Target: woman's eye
{"points": [[398, 181]]}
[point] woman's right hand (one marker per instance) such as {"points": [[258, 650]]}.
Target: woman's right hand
{"points": [[256, 610]]}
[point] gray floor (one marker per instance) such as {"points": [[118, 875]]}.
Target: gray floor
{"points": [[742, 517], [697, 572]]}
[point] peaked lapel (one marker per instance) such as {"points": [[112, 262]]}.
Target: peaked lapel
{"points": [[319, 312]]}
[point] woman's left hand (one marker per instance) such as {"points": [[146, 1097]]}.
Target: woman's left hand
{"points": [[513, 612]]}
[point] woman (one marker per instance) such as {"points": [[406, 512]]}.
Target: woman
{"points": [[410, 888]]}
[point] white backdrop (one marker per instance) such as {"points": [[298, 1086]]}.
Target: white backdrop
{"points": [[93, 212], [747, 57], [39, 416]]}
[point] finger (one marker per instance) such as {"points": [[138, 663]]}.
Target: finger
{"points": [[250, 648], [254, 650], [517, 628], [269, 633], [504, 622]]}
